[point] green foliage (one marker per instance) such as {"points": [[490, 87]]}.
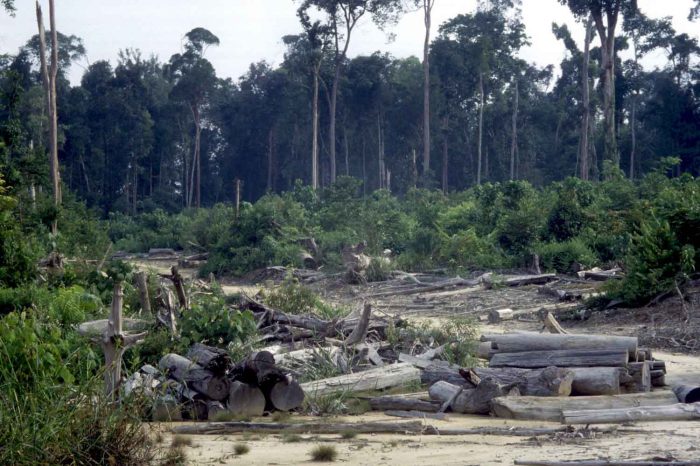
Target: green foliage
{"points": [[457, 334], [294, 298], [561, 257], [210, 321], [324, 453]]}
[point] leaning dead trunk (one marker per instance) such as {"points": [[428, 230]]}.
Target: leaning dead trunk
{"points": [[195, 376]]}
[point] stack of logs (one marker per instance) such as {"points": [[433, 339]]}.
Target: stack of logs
{"points": [[208, 385], [543, 377]]}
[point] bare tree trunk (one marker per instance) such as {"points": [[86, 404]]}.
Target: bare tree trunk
{"points": [[427, 11], [314, 143], [481, 129], [347, 151], [331, 125], [633, 124], [270, 139], [514, 132], [445, 158], [194, 174], [584, 155], [607, 41], [380, 152], [49, 75], [414, 171], [364, 165]]}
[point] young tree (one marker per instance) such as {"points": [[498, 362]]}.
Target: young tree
{"points": [[605, 14], [194, 78], [49, 75], [9, 6], [341, 18]]}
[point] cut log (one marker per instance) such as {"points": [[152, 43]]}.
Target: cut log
{"points": [[216, 410], [499, 315], [658, 378], [385, 403], [271, 316], [452, 283], [443, 391], [195, 376], [435, 373], [374, 379], [485, 350], [220, 428], [596, 381], [599, 274], [641, 378], [286, 395], [521, 280], [658, 365], [214, 359], [416, 414], [550, 409], [677, 412], [245, 400], [687, 393], [562, 358], [166, 253], [478, 400], [551, 324], [550, 381], [531, 341]]}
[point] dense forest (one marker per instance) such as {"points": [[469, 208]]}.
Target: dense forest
{"points": [[143, 134]]}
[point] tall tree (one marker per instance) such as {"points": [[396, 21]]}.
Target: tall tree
{"points": [[584, 153], [49, 74], [194, 78], [427, 6], [605, 14], [9, 6], [342, 16]]}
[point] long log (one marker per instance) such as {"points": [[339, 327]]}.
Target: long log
{"points": [[550, 381], [531, 341], [320, 326], [521, 280], [219, 428], [550, 409], [359, 333], [469, 401], [416, 414], [562, 358], [677, 412], [596, 381], [195, 376], [385, 403], [373, 379], [435, 373]]}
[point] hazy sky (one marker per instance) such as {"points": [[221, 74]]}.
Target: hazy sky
{"points": [[251, 30]]}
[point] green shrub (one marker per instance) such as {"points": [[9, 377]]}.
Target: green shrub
{"points": [[324, 453], [294, 298], [561, 257]]}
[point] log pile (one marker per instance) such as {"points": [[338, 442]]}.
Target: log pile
{"points": [[207, 384]]}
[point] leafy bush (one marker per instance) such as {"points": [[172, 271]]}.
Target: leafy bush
{"points": [[561, 257], [294, 298]]}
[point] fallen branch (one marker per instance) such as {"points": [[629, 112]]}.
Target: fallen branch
{"points": [[220, 428]]}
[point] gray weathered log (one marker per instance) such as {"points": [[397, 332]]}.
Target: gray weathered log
{"points": [[245, 400], [641, 378], [141, 279], [416, 414], [562, 358], [435, 373], [596, 381], [271, 316], [550, 409], [687, 393], [531, 341], [195, 376], [521, 280], [607, 463], [677, 412], [478, 400], [286, 395], [550, 381], [359, 333], [385, 403], [374, 379], [219, 428]]}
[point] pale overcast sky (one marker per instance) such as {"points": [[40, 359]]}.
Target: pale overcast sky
{"points": [[251, 30]]}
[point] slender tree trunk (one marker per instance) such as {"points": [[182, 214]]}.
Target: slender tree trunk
{"points": [[347, 151], [195, 172], [427, 17], [270, 142], [380, 152], [414, 171], [314, 142], [633, 125], [481, 129], [584, 154], [49, 75], [364, 165], [514, 132], [607, 40], [445, 165]]}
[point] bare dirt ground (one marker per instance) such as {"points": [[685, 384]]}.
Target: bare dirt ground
{"points": [[668, 329]]}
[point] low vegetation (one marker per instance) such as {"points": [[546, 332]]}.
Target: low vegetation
{"points": [[324, 453]]}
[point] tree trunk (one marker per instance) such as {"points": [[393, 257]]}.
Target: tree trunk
{"points": [[427, 17], [142, 285], [221, 428], [607, 41], [195, 376], [481, 129], [245, 400], [270, 142], [314, 141], [384, 403], [633, 128], [550, 409], [332, 118], [49, 74], [584, 156], [347, 150], [551, 381], [531, 341], [445, 161], [596, 381], [514, 130]]}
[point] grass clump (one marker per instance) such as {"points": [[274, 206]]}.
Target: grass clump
{"points": [[324, 453], [281, 416], [348, 435], [241, 449], [292, 438], [181, 441]]}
